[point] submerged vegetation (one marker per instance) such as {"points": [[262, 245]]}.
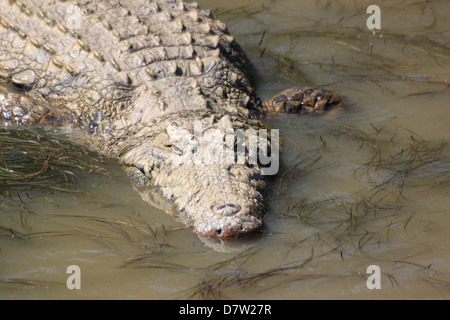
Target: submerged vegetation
{"points": [[412, 161], [374, 55], [34, 162], [398, 160]]}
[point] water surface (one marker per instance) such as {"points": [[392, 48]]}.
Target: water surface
{"points": [[369, 186]]}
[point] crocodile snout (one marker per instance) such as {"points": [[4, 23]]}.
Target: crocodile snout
{"points": [[233, 221], [228, 233]]}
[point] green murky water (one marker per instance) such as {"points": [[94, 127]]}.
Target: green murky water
{"points": [[370, 186]]}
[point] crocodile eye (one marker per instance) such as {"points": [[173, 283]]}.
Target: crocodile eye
{"points": [[219, 232], [176, 149]]}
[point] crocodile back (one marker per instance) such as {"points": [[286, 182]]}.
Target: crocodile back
{"points": [[132, 62]]}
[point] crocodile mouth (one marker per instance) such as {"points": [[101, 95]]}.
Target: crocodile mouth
{"points": [[232, 233], [229, 220]]}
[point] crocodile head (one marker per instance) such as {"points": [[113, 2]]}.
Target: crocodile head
{"points": [[218, 198], [222, 202], [217, 201]]}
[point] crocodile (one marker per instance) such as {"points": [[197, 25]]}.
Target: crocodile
{"points": [[138, 76]]}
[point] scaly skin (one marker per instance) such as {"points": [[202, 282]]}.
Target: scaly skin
{"points": [[138, 74]]}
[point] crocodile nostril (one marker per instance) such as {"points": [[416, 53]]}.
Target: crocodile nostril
{"points": [[227, 209]]}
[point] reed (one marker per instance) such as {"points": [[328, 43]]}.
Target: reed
{"points": [[34, 162]]}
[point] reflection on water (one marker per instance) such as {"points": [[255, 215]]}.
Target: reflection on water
{"points": [[366, 187]]}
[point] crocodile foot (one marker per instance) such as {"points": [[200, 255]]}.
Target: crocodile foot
{"points": [[303, 100]]}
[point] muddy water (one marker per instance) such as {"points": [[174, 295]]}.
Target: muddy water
{"points": [[369, 186]]}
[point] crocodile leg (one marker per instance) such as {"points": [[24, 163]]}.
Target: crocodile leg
{"points": [[304, 100]]}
